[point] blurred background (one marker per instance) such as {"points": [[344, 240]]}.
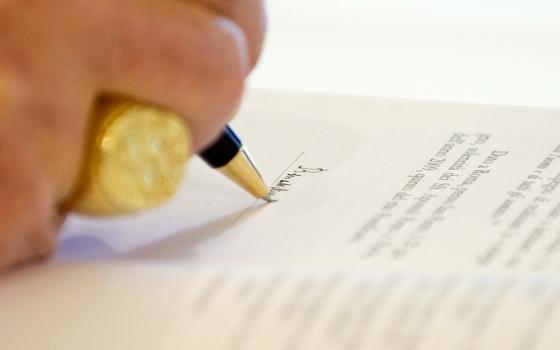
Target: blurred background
{"points": [[489, 51]]}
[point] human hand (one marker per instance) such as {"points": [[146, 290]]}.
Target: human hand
{"points": [[57, 56]]}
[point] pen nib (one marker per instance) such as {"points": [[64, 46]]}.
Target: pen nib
{"points": [[242, 171], [268, 199]]}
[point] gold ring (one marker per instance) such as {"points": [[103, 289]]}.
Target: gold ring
{"points": [[135, 159]]}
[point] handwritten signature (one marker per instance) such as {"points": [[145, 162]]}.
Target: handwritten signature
{"points": [[284, 184]]}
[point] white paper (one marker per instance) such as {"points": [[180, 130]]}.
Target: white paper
{"points": [[125, 306], [440, 219]]}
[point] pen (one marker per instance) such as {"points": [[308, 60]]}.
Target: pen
{"points": [[228, 155]]}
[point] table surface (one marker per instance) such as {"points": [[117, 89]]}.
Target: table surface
{"points": [[499, 51]]}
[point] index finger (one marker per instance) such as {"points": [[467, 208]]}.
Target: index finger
{"points": [[250, 15]]}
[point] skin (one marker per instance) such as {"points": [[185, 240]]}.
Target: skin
{"points": [[57, 56]]}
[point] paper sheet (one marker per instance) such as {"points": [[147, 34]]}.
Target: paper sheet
{"points": [[398, 224], [168, 307]]}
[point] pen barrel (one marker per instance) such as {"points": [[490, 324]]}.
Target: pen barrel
{"points": [[223, 150]]}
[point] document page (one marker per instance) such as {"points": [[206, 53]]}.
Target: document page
{"points": [[348, 311], [371, 182], [396, 225], [170, 307]]}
